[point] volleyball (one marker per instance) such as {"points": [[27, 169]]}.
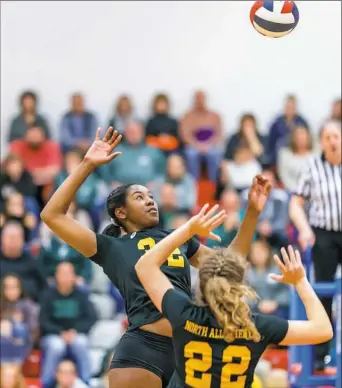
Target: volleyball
{"points": [[274, 19]]}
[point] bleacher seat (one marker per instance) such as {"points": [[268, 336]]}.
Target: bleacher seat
{"points": [[105, 334], [104, 306]]}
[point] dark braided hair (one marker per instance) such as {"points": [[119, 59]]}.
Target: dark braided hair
{"points": [[222, 288], [116, 199]]}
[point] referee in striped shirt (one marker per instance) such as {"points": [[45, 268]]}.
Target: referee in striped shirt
{"points": [[320, 186]]}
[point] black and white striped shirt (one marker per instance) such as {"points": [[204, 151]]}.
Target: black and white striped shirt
{"points": [[320, 184]]}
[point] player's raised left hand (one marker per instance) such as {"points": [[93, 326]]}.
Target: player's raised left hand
{"points": [[101, 151], [258, 193], [206, 221]]}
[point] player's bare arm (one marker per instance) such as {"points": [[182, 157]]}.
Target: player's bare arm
{"points": [[148, 266], [317, 328], [257, 198], [54, 215]]}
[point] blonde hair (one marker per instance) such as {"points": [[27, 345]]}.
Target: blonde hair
{"points": [[222, 287]]}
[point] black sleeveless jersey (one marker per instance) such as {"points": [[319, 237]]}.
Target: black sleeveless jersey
{"points": [[118, 257], [203, 358]]}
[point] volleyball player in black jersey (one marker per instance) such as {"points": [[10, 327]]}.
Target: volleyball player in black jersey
{"points": [[144, 355], [218, 343]]}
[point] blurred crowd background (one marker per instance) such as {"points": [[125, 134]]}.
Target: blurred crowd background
{"points": [[57, 307]]}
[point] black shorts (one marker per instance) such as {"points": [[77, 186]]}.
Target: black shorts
{"points": [[142, 349]]}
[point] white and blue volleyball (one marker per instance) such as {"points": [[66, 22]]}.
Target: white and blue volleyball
{"points": [[274, 19]]}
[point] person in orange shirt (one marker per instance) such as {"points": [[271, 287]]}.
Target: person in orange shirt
{"points": [[41, 157]]}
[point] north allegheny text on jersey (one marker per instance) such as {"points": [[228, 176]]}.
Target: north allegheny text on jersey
{"points": [[214, 332]]}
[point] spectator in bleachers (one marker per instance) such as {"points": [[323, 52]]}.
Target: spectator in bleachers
{"points": [[183, 183], [14, 210], [16, 260], [230, 202], [66, 316], [161, 128], [89, 193], [274, 218], [274, 297], [336, 110], [247, 134], [66, 376], [15, 179], [123, 114], [11, 376], [238, 173], [179, 219], [41, 157], [27, 117], [139, 163], [19, 321], [281, 128], [294, 158], [167, 205], [201, 132], [78, 126], [56, 251]]}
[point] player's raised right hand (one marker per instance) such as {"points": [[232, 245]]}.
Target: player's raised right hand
{"points": [[205, 221], [291, 267], [101, 151]]}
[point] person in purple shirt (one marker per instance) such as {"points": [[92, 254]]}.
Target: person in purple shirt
{"points": [[78, 126], [281, 127]]}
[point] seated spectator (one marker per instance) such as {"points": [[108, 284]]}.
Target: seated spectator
{"points": [[294, 158], [78, 126], [274, 219], [11, 376], [56, 251], [167, 205], [15, 179], [41, 157], [178, 220], [66, 376], [281, 128], [230, 202], [201, 132], [239, 173], [15, 260], [89, 193], [123, 114], [248, 135], [19, 319], [274, 297], [27, 118], [336, 110], [66, 316], [161, 128], [183, 183], [139, 163], [14, 210]]}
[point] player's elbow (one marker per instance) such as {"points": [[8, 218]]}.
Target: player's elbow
{"points": [[323, 333]]}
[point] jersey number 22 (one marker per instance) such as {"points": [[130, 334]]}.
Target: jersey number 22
{"points": [[204, 363], [174, 260]]}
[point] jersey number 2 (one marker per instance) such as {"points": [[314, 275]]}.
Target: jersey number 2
{"points": [[203, 364], [174, 260]]}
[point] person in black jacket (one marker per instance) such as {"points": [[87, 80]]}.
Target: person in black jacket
{"points": [[15, 260], [66, 317]]}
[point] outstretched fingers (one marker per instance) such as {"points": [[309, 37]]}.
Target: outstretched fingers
{"points": [[216, 220], [108, 134], [210, 213], [279, 263], [115, 140], [98, 134]]}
